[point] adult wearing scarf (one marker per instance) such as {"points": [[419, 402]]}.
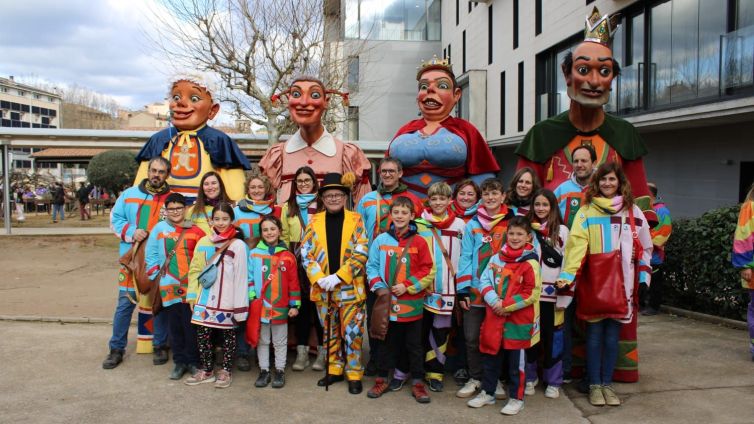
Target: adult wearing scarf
{"points": [[211, 193], [259, 201], [466, 198], [520, 193]]}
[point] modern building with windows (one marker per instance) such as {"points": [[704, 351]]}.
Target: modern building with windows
{"points": [[687, 83]]}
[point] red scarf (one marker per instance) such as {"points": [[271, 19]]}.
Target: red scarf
{"points": [[433, 219], [226, 235]]}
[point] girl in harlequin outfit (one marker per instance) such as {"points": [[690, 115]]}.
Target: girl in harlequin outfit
{"points": [[162, 243], [521, 190], [609, 210], [483, 237], [259, 201], [510, 286], [404, 276], [548, 229], [294, 215], [211, 193], [466, 198], [222, 306], [275, 281], [743, 256]]}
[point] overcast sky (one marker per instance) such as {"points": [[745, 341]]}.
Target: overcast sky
{"points": [[98, 44]]}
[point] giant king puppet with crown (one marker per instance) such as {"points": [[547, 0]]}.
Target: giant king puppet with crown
{"points": [[589, 71]]}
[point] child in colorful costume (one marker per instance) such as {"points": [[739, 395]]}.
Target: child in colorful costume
{"points": [[192, 147], [549, 144], [312, 145], [743, 257], [438, 147]]}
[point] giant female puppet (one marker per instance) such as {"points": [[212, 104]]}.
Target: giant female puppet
{"points": [[312, 145], [547, 147], [438, 147], [192, 147]]}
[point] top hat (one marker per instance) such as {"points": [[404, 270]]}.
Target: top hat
{"points": [[334, 180]]}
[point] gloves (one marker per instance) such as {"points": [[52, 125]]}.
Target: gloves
{"points": [[331, 282]]}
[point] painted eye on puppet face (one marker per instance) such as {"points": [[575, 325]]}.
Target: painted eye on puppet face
{"points": [[316, 95], [423, 86], [195, 98], [582, 70], [443, 85], [605, 71], [295, 94], [176, 97]]}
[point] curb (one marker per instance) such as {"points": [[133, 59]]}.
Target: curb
{"points": [[712, 319], [62, 320]]}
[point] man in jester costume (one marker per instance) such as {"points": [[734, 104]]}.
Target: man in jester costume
{"points": [[192, 147], [438, 147], [549, 145]]}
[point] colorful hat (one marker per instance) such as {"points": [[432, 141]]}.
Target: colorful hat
{"points": [[334, 180], [435, 64], [601, 28]]}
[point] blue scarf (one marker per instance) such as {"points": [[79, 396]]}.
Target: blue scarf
{"points": [[263, 207], [303, 201]]}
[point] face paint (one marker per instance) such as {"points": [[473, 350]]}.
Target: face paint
{"points": [[436, 96], [591, 75]]}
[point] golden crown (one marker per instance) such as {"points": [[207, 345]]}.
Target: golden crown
{"points": [[601, 28], [434, 63]]}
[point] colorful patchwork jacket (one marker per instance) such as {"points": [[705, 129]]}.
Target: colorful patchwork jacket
{"points": [[135, 209], [375, 205], [514, 278], [162, 240], [353, 259], [273, 273], [661, 232], [743, 242], [249, 214], [415, 270], [570, 195], [562, 298]]}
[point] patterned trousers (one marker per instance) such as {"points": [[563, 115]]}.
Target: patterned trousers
{"points": [[344, 329]]}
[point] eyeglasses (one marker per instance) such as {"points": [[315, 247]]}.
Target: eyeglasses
{"points": [[307, 181], [335, 196], [178, 209], [388, 171]]}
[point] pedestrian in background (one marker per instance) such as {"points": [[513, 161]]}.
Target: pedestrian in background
{"points": [[743, 257], [651, 297]]}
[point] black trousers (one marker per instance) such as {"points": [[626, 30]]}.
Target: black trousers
{"points": [[652, 296], [403, 341], [182, 334], [307, 316]]}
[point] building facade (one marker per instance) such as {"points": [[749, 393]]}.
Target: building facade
{"points": [[687, 83]]}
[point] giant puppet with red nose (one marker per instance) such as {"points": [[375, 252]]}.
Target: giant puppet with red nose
{"points": [[550, 145], [438, 147], [312, 145], [192, 147]]}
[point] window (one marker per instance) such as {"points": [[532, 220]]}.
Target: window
{"points": [[47, 165], [46, 120], [22, 163], [450, 57], [458, 14], [37, 96], [537, 17], [353, 73], [502, 103], [3, 89], [16, 116], [21, 93], [515, 24], [462, 107], [412, 20], [520, 96], [35, 109], [52, 99], [463, 52], [489, 35], [353, 123]]}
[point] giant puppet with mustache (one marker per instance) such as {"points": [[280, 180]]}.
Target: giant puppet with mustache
{"points": [[548, 146], [438, 147]]}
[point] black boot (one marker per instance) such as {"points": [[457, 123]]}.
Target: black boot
{"points": [[114, 358], [264, 379], [160, 355], [330, 379], [354, 387], [279, 380]]}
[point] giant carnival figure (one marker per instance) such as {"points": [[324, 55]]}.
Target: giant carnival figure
{"points": [[192, 147], [312, 145], [548, 146], [438, 147]]}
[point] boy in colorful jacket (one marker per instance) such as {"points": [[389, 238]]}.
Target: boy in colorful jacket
{"points": [[161, 244], [483, 237], [511, 285], [743, 257], [650, 298], [405, 274]]}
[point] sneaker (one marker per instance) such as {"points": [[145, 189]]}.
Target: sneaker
{"points": [[243, 363], [435, 385], [500, 391], [419, 392], [611, 399], [552, 392], [264, 379], [380, 387], [114, 358], [530, 387], [469, 388], [596, 397], [223, 379], [279, 381], [192, 369], [396, 384], [319, 363], [178, 371], [480, 400], [302, 358], [160, 355], [461, 376], [513, 407], [200, 377]]}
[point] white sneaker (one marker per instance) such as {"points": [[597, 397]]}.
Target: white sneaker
{"points": [[552, 392], [500, 391], [480, 400], [530, 385], [513, 407], [469, 388]]}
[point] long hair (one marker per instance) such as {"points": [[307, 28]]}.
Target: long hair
{"points": [[553, 221], [511, 196], [201, 198], [292, 204], [228, 208], [269, 190], [750, 194], [624, 188]]}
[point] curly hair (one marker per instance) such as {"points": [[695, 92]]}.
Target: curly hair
{"points": [[624, 186]]}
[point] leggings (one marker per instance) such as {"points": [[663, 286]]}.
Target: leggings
{"points": [[206, 351]]}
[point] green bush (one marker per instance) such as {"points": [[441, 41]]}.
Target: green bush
{"points": [[113, 170], [698, 273]]}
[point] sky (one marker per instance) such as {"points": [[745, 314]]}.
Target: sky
{"points": [[99, 44]]}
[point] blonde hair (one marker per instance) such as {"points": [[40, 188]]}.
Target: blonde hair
{"points": [[269, 191], [439, 189]]}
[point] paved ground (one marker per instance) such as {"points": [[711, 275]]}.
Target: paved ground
{"points": [[691, 372]]}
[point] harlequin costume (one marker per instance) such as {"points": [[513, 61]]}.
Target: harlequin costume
{"points": [[174, 284], [513, 278], [194, 153], [570, 195], [374, 208], [743, 258], [138, 207]]}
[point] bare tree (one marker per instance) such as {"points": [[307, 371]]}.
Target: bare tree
{"points": [[256, 48]]}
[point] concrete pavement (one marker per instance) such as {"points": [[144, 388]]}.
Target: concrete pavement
{"points": [[690, 372], [56, 231]]}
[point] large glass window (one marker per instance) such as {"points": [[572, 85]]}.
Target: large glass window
{"points": [[414, 20]]}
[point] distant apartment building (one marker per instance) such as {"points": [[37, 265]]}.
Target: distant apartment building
{"points": [[687, 83], [23, 106], [85, 117]]}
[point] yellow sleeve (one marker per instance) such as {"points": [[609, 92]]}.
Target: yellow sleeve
{"points": [[141, 173], [286, 234], [576, 247], [198, 262], [234, 180]]}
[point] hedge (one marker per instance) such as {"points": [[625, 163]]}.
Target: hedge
{"points": [[698, 272]]}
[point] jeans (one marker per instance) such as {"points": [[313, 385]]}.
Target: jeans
{"points": [[122, 321], [58, 209], [242, 346], [601, 350]]}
